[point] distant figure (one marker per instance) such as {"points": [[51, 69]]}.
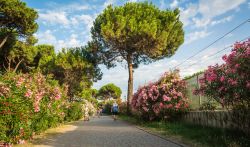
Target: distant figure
{"points": [[86, 114], [99, 112], [115, 110]]}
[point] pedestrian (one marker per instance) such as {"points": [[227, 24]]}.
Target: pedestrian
{"points": [[115, 110], [86, 113], [99, 112]]}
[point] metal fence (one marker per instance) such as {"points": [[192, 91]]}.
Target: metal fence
{"points": [[195, 100]]}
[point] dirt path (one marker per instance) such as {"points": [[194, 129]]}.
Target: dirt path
{"points": [[104, 132]]}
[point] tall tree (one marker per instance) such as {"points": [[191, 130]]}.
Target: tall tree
{"points": [[73, 68], [109, 91], [16, 18], [137, 33]]}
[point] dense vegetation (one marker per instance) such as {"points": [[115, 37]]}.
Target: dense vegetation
{"points": [[38, 86]]}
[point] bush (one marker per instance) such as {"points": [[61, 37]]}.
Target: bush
{"points": [[29, 103], [74, 111], [229, 83], [164, 99]]}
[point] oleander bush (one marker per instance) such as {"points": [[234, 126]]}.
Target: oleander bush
{"points": [[229, 83], [31, 103], [164, 99]]}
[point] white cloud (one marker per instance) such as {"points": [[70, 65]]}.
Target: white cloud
{"points": [[205, 22], [174, 4], [191, 37], [86, 19], [212, 8], [201, 22], [54, 17], [45, 37], [188, 13], [223, 20], [132, 0], [48, 38], [203, 13]]}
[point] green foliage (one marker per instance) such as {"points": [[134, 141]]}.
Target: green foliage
{"points": [[139, 30], [17, 18], [72, 68], [74, 112], [109, 91], [44, 57], [89, 95]]}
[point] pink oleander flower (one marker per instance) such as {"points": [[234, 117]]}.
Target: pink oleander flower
{"points": [[166, 98], [222, 78], [28, 94], [224, 57], [20, 81], [169, 106]]}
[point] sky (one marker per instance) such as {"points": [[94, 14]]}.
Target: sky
{"points": [[67, 23]]}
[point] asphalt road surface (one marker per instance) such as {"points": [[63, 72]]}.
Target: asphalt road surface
{"points": [[105, 132]]}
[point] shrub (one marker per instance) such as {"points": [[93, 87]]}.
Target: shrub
{"points": [[164, 99], [29, 103], [229, 83], [74, 111]]}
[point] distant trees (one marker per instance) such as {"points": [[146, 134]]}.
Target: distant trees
{"points": [[109, 91], [136, 33], [71, 67]]}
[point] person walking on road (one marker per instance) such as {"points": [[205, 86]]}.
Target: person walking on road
{"points": [[115, 110]]}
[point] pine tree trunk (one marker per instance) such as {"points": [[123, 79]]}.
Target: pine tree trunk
{"points": [[130, 84], [3, 41]]}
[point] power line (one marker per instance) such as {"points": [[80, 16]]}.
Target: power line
{"points": [[248, 20], [209, 57]]}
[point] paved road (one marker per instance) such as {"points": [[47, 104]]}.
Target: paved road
{"points": [[104, 132]]}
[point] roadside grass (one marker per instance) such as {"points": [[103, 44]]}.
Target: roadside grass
{"points": [[193, 135]]}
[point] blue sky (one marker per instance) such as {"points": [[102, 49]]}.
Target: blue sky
{"points": [[67, 23]]}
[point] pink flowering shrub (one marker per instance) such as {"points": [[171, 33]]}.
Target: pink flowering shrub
{"points": [[29, 103], [164, 99], [229, 83]]}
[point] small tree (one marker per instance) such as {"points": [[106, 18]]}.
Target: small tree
{"points": [[137, 33], [16, 18], [110, 91]]}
